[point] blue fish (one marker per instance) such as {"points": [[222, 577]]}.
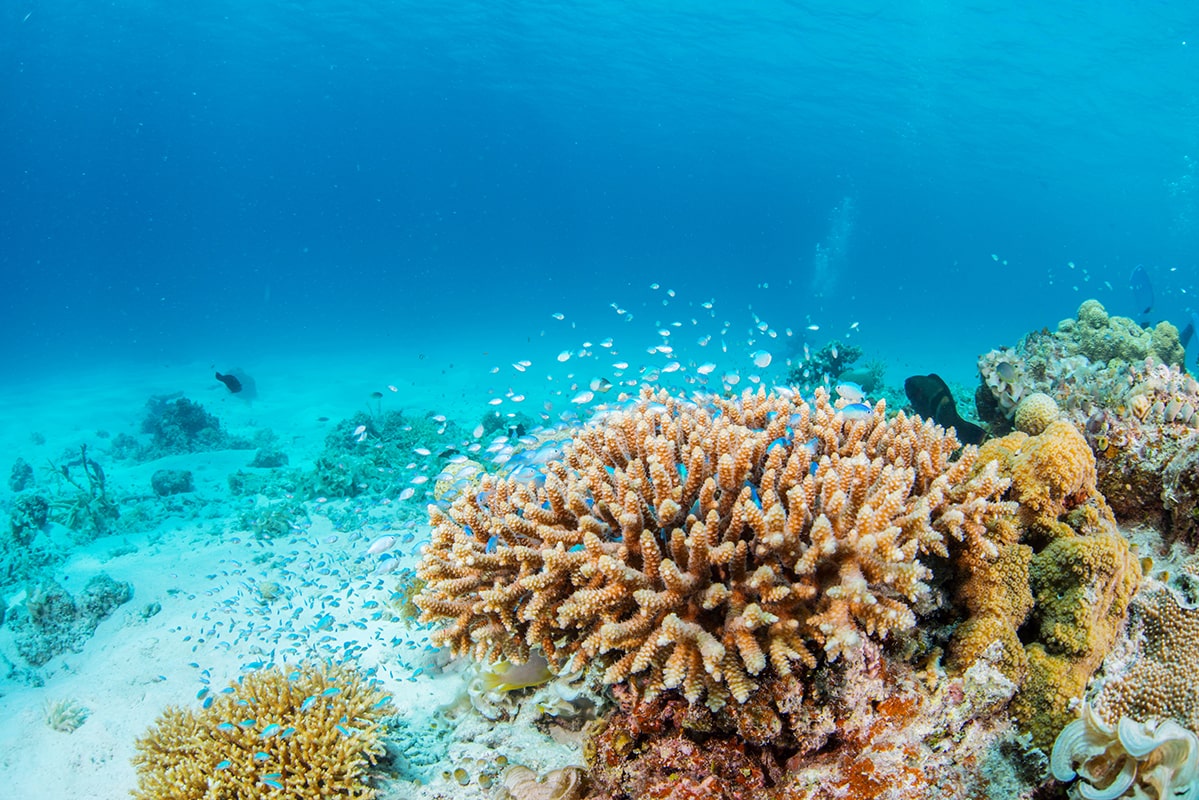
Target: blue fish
{"points": [[272, 782], [332, 690], [287, 732], [226, 726], [261, 756], [491, 543], [308, 703], [224, 764], [857, 411], [269, 731]]}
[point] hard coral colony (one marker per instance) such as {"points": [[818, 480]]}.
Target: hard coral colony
{"points": [[699, 546]]}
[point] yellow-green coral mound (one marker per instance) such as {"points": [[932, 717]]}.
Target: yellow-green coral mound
{"points": [[306, 732]]}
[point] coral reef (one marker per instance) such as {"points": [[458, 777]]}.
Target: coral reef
{"points": [[21, 476], [1057, 590], [171, 481], [29, 515], [312, 731], [1140, 417], [1156, 759], [377, 453], [1155, 678], [1035, 413], [178, 425], [50, 621], [82, 503], [1101, 337], [65, 716], [703, 546], [868, 727]]}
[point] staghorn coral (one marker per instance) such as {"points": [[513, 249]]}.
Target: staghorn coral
{"points": [[1155, 759], [307, 732], [703, 545]]}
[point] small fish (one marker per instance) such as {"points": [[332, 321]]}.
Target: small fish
{"points": [[332, 690], [857, 411], [261, 756], [224, 764], [850, 391], [761, 359], [383, 543], [308, 703], [491, 543], [583, 397], [705, 368], [272, 782], [269, 731], [422, 451]]}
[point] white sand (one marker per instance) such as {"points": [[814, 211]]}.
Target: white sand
{"points": [[202, 570]]}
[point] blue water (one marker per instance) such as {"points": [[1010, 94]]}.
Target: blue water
{"points": [[178, 179]]}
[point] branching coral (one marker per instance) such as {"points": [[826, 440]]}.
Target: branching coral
{"points": [[308, 732], [702, 545]]}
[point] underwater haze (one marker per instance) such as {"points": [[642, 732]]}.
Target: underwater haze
{"points": [[184, 180], [393, 392]]}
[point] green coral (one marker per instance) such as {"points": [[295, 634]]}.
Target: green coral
{"points": [[1103, 338]]}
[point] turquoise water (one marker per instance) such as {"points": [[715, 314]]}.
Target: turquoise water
{"points": [[451, 212], [178, 179]]}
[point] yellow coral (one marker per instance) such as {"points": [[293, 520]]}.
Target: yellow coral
{"points": [[1035, 412], [307, 732], [1159, 681], [697, 545]]}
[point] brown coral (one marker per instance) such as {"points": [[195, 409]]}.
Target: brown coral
{"points": [[1060, 565], [704, 545], [1157, 679], [308, 732]]}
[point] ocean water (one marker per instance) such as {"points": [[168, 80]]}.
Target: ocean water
{"points": [[180, 181], [342, 197]]}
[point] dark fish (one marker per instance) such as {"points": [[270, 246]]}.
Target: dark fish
{"points": [[231, 383], [1188, 332], [1142, 289], [931, 398]]}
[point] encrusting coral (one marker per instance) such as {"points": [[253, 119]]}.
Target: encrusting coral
{"points": [[1056, 594], [1157, 678], [306, 732], [704, 545]]}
